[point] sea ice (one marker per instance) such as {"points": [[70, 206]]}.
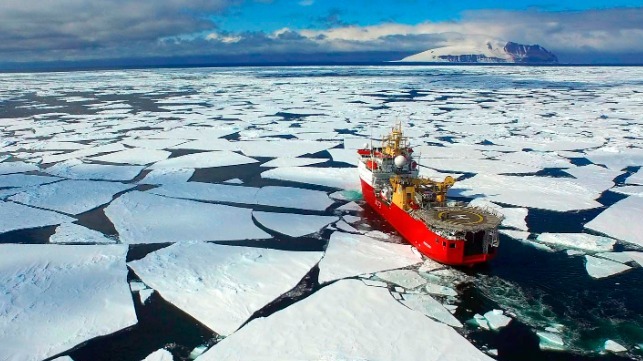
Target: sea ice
{"points": [[166, 176], [613, 346], [141, 217], [621, 220], [24, 180], [159, 355], [338, 323], [204, 160], [71, 196], [145, 294], [342, 178], [430, 307], [440, 290], [635, 178], [343, 226], [348, 156], [497, 319], [557, 194], [550, 340], [136, 156], [282, 148], [374, 283], [86, 152], [481, 321], [480, 166], [222, 286], [349, 255], [289, 197], [63, 358], [55, 297], [522, 237], [601, 268], [350, 207], [293, 225], [75, 169], [74, 233], [583, 241], [405, 278], [16, 167], [292, 162], [16, 216]]}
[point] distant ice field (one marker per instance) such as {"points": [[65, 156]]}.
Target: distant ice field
{"points": [[240, 184]]}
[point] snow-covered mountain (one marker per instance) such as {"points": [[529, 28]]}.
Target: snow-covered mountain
{"points": [[485, 51]]}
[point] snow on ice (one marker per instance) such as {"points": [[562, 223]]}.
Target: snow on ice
{"points": [[333, 324], [55, 297], [601, 268], [159, 355], [74, 233], [293, 225], [342, 178], [71, 196], [621, 220], [222, 286], [430, 307], [204, 160], [141, 217], [349, 255], [405, 278], [16, 216], [582, 241]]}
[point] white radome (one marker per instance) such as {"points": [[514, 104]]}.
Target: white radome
{"points": [[400, 161]]}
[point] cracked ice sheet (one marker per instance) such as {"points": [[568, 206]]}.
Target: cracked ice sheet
{"points": [[222, 286], [71, 196], [405, 278], [349, 255], [55, 297], [557, 194], [76, 169], [584, 241], [74, 233], [165, 176], [430, 307], [16, 167], [273, 196], [635, 178], [136, 156], [282, 148], [159, 355], [25, 180], [140, 217], [342, 178], [324, 326], [204, 160], [16, 216], [601, 268], [621, 220], [484, 166], [292, 162], [293, 225]]}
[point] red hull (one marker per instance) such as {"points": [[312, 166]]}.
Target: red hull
{"points": [[445, 251]]}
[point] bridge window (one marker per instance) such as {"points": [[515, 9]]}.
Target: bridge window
{"points": [[452, 245]]}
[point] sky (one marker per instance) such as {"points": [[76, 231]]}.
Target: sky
{"points": [[590, 31]]}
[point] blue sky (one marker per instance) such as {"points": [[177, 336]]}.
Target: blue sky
{"points": [[256, 30], [302, 14]]}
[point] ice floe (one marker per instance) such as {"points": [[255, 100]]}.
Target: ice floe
{"points": [[523, 238], [324, 326], [16, 216], [159, 355], [56, 297], [636, 178], [514, 217], [497, 319], [141, 217], [557, 194], [75, 169], [349, 255], [222, 286], [601, 268], [24, 180], [430, 307], [405, 278], [145, 294], [621, 220], [16, 167], [74, 233], [613, 346], [204, 160], [293, 225], [289, 197], [550, 340], [136, 156], [440, 290], [292, 162], [282, 148], [342, 178], [71, 196], [164, 176], [583, 241]]}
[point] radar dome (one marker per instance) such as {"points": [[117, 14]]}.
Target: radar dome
{"points": [[400, 161]]}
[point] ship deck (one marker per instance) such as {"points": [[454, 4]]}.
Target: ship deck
{"points": [[458, 219]]}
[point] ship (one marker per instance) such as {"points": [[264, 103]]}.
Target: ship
{"points": [[446, 231]]}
